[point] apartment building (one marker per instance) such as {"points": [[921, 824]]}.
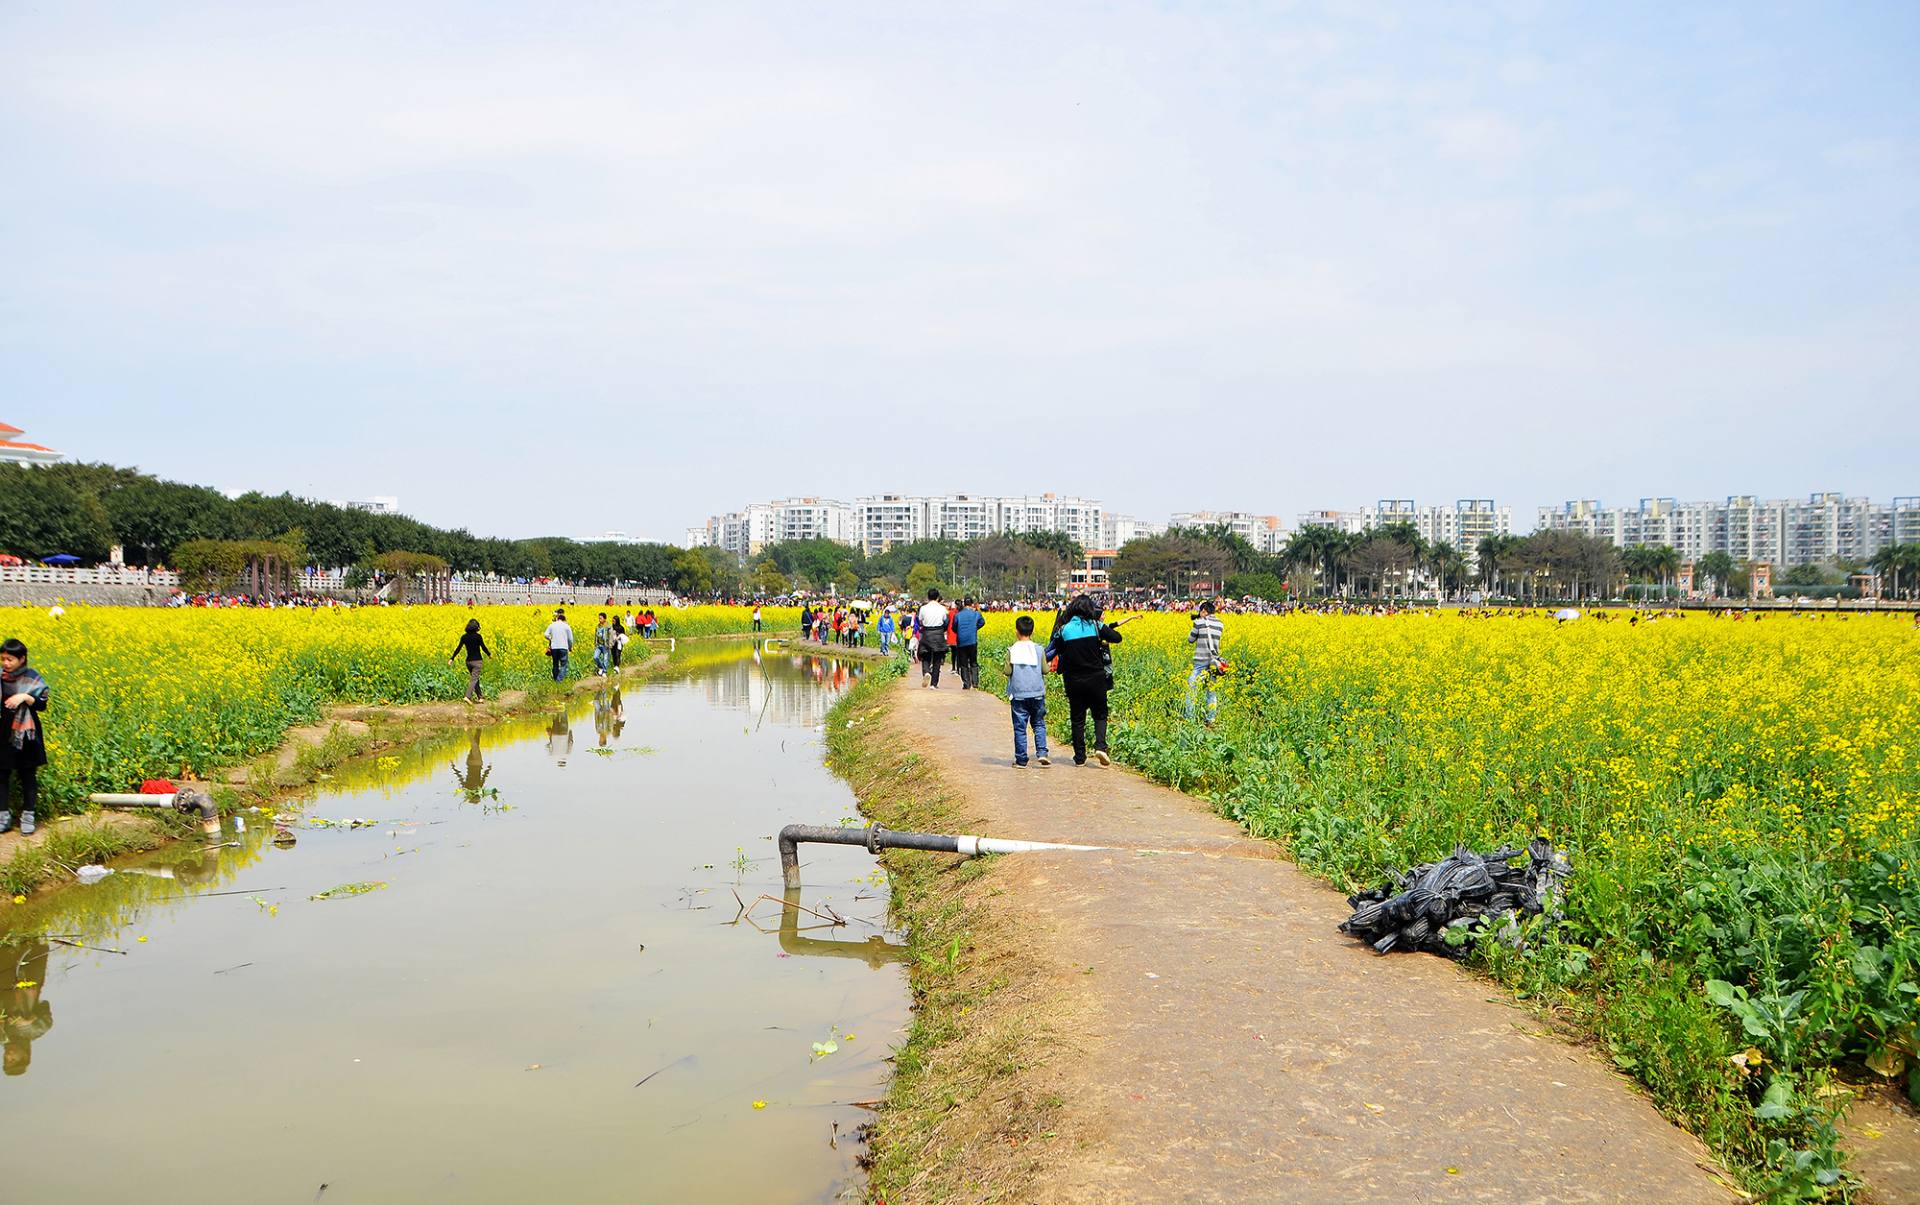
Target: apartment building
{"points": [[1264, 532], [1116, 531], [881, 521], [1339, 520], [884, 520], [1782, 532], [1462, 524]]}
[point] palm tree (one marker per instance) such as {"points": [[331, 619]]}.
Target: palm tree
{"points": [[1718, 566], [1640, 562], [1893, 561], [1491, 551], [1666, 561], [1448, 565]]}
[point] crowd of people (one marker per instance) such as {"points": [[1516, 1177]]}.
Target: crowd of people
{"points": [[1079, 648]]}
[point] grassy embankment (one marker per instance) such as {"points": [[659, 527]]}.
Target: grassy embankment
{"points": [[961, 1118]]}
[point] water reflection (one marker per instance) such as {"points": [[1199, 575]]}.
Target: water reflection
{"points": [[876, 951], [780, 688], [560, 736], [609, 716], [24, 1014], [473, 779]]}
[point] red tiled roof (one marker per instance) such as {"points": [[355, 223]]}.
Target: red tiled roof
{"points": [[8, 443], [9, 429]]}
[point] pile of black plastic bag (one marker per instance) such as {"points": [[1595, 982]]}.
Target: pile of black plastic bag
{"points": [[1465, 891]]}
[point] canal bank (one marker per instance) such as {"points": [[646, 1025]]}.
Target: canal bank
{"points": [[1123, 1026]]}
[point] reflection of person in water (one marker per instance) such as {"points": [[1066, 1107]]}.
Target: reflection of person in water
{"points": [[560, 737], [24, 1016], [602, 716], [473, 780], [619, 714]]}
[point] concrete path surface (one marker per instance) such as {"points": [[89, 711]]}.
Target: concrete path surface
{"points": [[1241, 1049]]}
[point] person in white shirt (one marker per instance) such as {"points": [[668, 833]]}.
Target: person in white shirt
{"points": [[931, 626], [559, 644]]}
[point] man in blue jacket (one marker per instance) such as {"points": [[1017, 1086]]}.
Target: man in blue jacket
{"points": [[967, 622]]}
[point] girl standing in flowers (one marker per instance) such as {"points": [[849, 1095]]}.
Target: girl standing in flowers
{"points": [[23, 740]]}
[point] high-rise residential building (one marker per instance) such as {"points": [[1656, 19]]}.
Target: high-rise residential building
{"points": [[1780, 532], [1264, 532], [884, 520], [1339, 520], [1116, 531], [1469, 521], [878, 522], [1906, 521]]}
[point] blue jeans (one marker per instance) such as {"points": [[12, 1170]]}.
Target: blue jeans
{"points": [[886, 642], [600, 660], [1213, 696], [1025, 712], [559, 664]]}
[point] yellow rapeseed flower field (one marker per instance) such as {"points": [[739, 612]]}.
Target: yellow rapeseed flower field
{"points": [[1741, 800], [142, 693]]}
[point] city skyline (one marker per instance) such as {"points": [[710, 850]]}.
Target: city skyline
{"points": [[1818, 527]]}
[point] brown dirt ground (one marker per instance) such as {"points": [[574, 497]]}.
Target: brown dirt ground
{"points": [[1883, 1138], [1227, 1044]]}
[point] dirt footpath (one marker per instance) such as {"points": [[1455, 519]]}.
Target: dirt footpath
{"points": [[1238, 1048]]}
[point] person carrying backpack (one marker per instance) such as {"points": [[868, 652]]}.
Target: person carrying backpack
{"points": [[932, 621], [1080, 643]]}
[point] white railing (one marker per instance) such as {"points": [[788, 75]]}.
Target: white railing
{"points": [[102, 575]]}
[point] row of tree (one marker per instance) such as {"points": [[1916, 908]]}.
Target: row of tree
{"points": [[85, 509], [1393, 560]]}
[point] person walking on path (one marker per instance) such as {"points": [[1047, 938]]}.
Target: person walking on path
{"points": [[932, 624], [602, 644], [885, 631], [1204, 636], [756, 617], [1080, 640], [967, 622], [476, 650], [559, 644], [1027, 692], [23, 738], [618, 645]]}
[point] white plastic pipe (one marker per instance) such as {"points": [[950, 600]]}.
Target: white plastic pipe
{"points": [[974, 846]]}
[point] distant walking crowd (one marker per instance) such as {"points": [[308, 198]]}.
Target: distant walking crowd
{"points": [[1079, 649]]}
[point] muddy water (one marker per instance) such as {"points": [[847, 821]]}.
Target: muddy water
{"points": [[553, 997]]}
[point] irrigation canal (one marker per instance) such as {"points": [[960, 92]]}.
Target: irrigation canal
{"points": [[553, 997]]}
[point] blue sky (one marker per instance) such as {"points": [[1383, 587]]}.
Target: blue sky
{"points": [[564, 268]]}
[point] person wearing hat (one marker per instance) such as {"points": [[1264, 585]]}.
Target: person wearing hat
{"points": [[559, 644]]}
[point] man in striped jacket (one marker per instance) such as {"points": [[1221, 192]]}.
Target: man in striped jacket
{"points": [[1205, 639]]}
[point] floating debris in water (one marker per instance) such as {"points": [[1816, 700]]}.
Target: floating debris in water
{"points": [[349, 823], [342, 891]]}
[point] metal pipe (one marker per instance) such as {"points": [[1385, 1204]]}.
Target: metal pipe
{"points": [[876, 838]]}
